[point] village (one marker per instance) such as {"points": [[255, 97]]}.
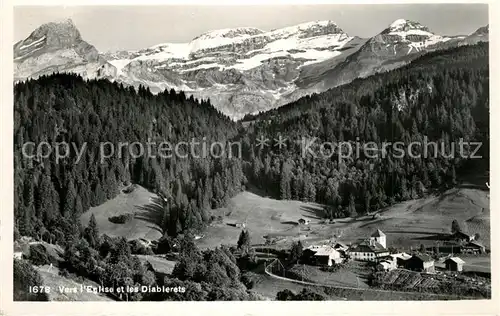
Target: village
{"points": [[374, 249], [447, 268], [290, 247]]}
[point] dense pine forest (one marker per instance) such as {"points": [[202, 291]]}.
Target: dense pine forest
{"points": [[442, 97], [50, 195]]}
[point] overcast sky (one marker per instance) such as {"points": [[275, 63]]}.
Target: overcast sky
{"points": [[135, 27]]}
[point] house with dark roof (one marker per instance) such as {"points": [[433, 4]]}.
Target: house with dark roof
{"points": [[399, 259], [473, 247], [368, 250], [421, 263], [339, 246], [449, 247], [454, 264], [324, 255], [460, 237]]}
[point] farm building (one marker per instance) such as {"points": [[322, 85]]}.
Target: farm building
{"points": [[303, 221], [369, 250], [380, 237], [386, 265], [420, 262], [340, 246], [454, 264], [399, 259], [240, 225], [449, 247], [322, 255], [460, 237], [145, 242], [473, 247]]}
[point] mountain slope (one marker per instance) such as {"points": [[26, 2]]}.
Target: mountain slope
{"points": [[241, 70], [481, 35], [394, 47], [57, 47], [441, 97]]}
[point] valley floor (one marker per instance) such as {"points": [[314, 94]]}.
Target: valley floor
{"points": [[407, 225]]}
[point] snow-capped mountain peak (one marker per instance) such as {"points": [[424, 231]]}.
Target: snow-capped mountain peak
{"points": [[242, 70], [229, 33], [402, 25], [308, 29], [403, 37], [404, 28], [397, 24]]}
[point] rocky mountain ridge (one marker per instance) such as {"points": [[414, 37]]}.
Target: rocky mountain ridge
{"points": [[241, 70]]}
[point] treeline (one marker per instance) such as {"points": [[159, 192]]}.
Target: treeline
{"points": [[442, 97], [51, 194]]}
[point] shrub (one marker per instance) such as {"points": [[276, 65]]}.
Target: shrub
{"points": [[121, 219], [305, 295], [64, 273], [128, 189], [248, 280], [285, 295], [24, 277], [165, 245], [38, 255]]}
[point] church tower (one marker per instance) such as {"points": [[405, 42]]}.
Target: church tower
{"points": [[379, 237]]}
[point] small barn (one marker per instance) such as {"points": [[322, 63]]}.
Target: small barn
{"points": [[385, 265], [240, 225], [454, 264], [399, 259], [327, 256], [321, 255], [421, 263]]}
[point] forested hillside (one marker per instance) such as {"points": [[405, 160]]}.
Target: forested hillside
{"points": [[442, 97], [51, 194]]}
